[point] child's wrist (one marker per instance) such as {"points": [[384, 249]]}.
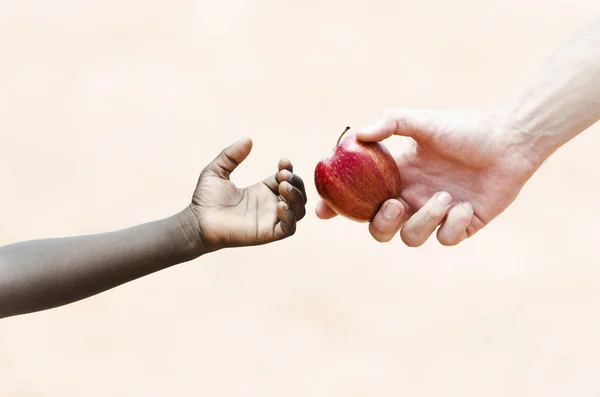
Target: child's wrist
{"points": [[190, 237]]}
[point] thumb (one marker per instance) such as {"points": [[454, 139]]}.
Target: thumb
{"points": [[420, 124], [230, 158]]}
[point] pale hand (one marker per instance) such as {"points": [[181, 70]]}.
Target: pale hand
{"points": [[459, 171]]}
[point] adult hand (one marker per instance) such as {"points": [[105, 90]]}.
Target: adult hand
{"points": [[459, 171]]}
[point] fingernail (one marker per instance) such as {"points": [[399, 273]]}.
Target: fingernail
{"points": [[444, 198], [289, 187], [468, 206], [392, 211]]}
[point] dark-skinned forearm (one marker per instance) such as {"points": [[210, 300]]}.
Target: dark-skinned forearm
{"points": [[43, 274]]}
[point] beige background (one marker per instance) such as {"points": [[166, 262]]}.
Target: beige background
{"points": [[110, 109]]}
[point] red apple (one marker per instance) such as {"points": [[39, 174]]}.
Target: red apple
{"points": [[357, 178]]}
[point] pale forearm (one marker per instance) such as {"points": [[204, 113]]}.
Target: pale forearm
{"points": [[564, 97], [42, 274]]}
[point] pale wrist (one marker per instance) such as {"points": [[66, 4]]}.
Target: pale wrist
{"points": [[534, 139]]}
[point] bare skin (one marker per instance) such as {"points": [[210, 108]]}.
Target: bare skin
{"points": [[43, 274], [462, 169], [231, 217]]}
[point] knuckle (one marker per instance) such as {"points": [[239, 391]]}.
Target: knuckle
{"points": [[462, 214], [464, 218], [401, 124], [433, 212], [471, 230], [291, 230], [378, 234], [227, 158], [447, 239], [410, 238]]}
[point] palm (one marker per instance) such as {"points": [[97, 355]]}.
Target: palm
{"points": [[468, 161], [232, 216], [227, 216]]}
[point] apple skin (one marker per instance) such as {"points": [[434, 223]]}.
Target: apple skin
{"points": [[357, 178]]}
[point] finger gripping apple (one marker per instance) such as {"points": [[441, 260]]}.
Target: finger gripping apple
{"points": [[357, 178]]}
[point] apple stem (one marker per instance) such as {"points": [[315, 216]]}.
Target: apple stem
{"points": [[341, 136]]}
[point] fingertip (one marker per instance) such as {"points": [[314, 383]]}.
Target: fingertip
{"points": [[241, 149], [371, 133], [468, 207], [387, 221], [392, 209], [283, 206], [282, 211], [285, 175], [294, 180], [245, 141], [230, 158], [324, 211], [287, 221], [444, 198], [285, 188], [378, 235], [455, 229], [378, 131], [285, 164]]}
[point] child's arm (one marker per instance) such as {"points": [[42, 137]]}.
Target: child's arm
{"points": [[42, 274]]}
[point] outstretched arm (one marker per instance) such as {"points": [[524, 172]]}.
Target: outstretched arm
{"points": [[42, 274]]}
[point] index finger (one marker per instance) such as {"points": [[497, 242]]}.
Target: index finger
{"points": [[378, 131]]}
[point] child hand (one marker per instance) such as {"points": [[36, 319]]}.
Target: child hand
{"points": [[227, 216]]}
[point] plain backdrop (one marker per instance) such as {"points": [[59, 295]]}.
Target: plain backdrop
{"points": [[110, 109]]}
